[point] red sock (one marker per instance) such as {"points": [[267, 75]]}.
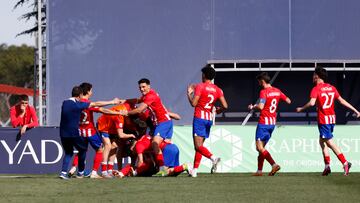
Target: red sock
{"points": [[327, 160], [268, 157], [260, 162], [103, 167], [126, 170], [159, 159], [142, 168], [341, 158], [197, 159], [76, 160], [205, 152], [97, 160], [179, 169], [110, 166]]}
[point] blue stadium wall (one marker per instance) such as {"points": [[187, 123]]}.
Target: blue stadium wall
{"points": [[112, 44]]}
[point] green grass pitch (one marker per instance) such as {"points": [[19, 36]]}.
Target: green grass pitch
{"points": [[230, 187]]}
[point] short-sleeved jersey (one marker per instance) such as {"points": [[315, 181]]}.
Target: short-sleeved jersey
{"points": [[208, 94], [270, 97], [325, 95], [87, 126], [158, 112], [110, 123], [70, 115]]}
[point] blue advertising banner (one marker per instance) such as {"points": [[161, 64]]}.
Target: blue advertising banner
{"points": [[295, 148], [38, 151]]}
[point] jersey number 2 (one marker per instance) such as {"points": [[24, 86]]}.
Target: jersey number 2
{"points": [[207, 105]]}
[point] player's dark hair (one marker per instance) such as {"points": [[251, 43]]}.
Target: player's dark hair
{"points": [[86, 87], [23, 97], [321, 72], [264, 76], [144, 80], [209, 72], [76, 91]]}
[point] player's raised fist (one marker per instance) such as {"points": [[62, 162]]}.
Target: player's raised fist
{"points": [[250, 107], [191, 88]]}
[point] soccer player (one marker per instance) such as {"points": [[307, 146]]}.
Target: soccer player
{"points": [[163, 124], [69, 129], [147, 168], [111, 128], [268, 103], [324, 95], [23, 115], [203, 98], [88, 130]]}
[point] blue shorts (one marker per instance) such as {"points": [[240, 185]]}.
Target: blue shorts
{"points": [[95, 141], [105, 135], [201, 127], [171, 155], [164, 129], [326, 130], [263, 132]]}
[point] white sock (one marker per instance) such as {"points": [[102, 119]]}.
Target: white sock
{"points": [[327, 165]]}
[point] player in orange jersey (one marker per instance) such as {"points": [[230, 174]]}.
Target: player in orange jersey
{"points": [[111, 127]]}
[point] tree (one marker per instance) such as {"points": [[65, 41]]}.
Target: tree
{"points": [[32, 14], [16, 68]]}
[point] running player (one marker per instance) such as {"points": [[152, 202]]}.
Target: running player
{"points": [[111, 127], [268, 103], [203, 97], [162, 122], [323, 95]]}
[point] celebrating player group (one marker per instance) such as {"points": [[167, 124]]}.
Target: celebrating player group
{"points": [[142, 128]]}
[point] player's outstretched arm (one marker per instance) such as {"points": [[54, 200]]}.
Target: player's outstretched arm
{"points": [[108, 111], [137, 110], [311, 103], [349, 106], [105, 103]]}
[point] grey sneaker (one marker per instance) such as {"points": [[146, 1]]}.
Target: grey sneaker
{"points": [[214, 165]]}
